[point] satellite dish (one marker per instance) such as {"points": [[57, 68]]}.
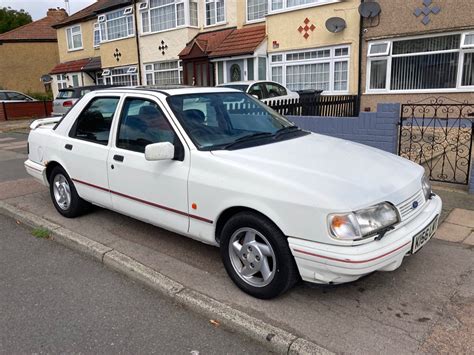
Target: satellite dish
{"points": [[46, 78], [369, 9], [335, 24]]}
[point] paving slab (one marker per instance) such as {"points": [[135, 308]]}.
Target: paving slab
{"points": [[452, 232], [461, 217], [388, 313], [469, 240]]}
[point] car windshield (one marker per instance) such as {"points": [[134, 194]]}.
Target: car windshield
{"points": [[229, 120], [65, 94], [241, 87]]}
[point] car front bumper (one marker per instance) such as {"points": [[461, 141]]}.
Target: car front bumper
{"points": [[332, 264]]}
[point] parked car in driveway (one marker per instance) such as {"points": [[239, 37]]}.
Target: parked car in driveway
{"points": [[14, 96], [266, 91], [67, 97], [219, 166]]}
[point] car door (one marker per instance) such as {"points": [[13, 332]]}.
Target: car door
{"points": [[153, 191], [258, 90], [86, 148], [275, 92]]}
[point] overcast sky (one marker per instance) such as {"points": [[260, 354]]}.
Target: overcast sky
{"points": [[38, 8]]}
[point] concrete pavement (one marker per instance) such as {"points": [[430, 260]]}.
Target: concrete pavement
{"points": [[54, 300], [400, 312]]}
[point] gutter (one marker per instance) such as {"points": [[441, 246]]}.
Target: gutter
{"points": [[359, 83], [137, 42]]}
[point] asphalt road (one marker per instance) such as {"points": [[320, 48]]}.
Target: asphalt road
{"points": [[54, 300]]}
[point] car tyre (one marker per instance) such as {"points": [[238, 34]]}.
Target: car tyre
{"points": [[256, 256], [64, 194]]}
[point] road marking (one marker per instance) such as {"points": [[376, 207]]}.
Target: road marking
{"points": [[7, 139]]}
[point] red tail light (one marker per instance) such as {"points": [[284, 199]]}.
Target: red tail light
{"points": [[67, 103]]}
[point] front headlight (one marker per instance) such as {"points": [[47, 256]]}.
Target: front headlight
{"points": [[362, 223], [426, 185]]}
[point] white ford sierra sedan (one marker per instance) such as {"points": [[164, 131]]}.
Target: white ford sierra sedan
{"points": [[217, 165]]}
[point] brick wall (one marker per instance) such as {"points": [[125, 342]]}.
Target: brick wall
{"points": [[376, 129]]}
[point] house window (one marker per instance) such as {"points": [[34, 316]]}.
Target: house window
{"points": [[116, 24], [126, 76], [74, 38], [61, 80], [281, 5], [162, 73], [425, 63], [215, 12], [256, 9], [164, 15], [96, 35], [324, 69]]}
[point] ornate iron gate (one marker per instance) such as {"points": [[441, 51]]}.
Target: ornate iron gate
{"points": [[437, 133]]}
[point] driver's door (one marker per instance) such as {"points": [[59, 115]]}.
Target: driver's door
{"points": [[153, 191]]}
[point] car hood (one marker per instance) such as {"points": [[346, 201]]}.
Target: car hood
{"points": [[339, 173]]}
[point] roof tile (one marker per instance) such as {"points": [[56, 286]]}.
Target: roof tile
{"points": [[73, 66], [241, 41]]}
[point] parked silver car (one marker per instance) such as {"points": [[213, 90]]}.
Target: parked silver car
{"points": [[68, 97], [14, 96]]}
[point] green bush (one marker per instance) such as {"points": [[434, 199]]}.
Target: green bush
{"points": [[41, 96]]}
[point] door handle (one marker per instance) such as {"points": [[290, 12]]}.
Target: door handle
{"points": [[68, 146], [118, 157]]}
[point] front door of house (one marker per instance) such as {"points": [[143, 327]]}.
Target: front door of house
{"points": [[235, 70], [199, 73]]}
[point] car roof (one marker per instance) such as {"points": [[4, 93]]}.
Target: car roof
{"points": [[247, 82], [171, 90]]}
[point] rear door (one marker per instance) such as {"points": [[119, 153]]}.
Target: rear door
{"points": [[153, 191], [86, 148]]}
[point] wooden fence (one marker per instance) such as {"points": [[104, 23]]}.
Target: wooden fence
{"points": [[23, 110], [329, 106]]}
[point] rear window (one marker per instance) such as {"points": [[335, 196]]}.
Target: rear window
{"points": [[65, 94]]}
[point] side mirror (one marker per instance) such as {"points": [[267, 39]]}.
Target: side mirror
{"points": [[159, 151], [255, 96]]}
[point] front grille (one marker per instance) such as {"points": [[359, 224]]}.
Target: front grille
{"points": [[406, 209]]}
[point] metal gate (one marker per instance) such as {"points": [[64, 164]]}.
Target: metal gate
{"points": [[437, 133]]}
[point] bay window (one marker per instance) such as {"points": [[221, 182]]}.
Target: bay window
{"points": [[324, 69], [421, 64], [162, 15], [125, 76], [164, 73], [215, 12], [116, 24], [74, 38]]}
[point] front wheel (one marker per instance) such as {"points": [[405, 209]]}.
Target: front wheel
{"points": [[256, 256]]}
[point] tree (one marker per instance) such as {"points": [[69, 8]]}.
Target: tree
{"points": [[11, 19]]}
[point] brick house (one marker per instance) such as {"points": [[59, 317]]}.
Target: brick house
{"points": [[28, 52]]}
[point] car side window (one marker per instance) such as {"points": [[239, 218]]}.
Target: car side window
{"points": [[94, 122], [3, 96], [257, 90], [17, 96], [275, 90], [142, 123]]}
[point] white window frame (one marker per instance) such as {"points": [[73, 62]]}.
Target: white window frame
{"points": [[461, 50], [61, 81], [463, 40], [331, 59], [381, 54], [96, 29], [70, 40], [187, 16], [103, 21], [149, 68], [108, 75], [254, 20], [216, 23], [285, 7]]}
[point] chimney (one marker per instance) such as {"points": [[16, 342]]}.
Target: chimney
{"points": [[58, 14]]}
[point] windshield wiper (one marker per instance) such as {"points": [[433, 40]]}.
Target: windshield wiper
{"points": [[247, 138], [286, 130]]}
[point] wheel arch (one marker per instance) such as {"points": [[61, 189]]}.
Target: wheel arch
{"points": [[229, 212], [50, 167]]}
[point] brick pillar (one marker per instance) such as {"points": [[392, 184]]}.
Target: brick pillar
{"points": [[471, 178], [388, 117]]}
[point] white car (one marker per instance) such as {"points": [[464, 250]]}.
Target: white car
{"points": [[217, 165], [266, 91]]}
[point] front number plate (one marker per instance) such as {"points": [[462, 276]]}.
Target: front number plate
{"points": [[424, 236]]}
